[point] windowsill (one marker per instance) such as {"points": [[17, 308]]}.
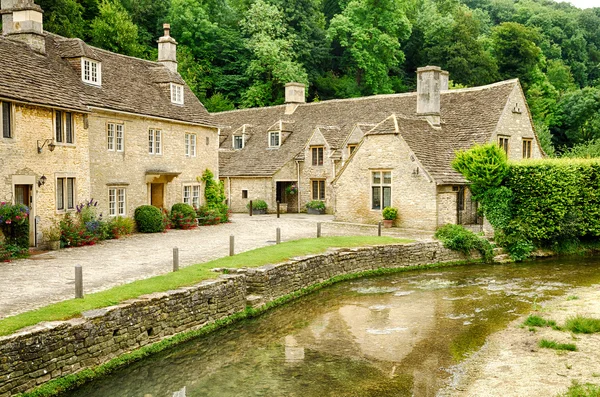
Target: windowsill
{"points": [[65, 145], [90, 84], [62, 212]]}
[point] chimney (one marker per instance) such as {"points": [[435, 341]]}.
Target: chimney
{"points": [[167, 49], [295, 94], [430, 81], [22, 21]]}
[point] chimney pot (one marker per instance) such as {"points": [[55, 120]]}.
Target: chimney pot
{"points": [[22, 20], [167, 49], [167, 28]]}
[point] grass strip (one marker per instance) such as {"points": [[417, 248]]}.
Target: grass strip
{"points": [[187, 276], [582, 325], [550, 344], [582, 390], [537, 321], [70, 382]]}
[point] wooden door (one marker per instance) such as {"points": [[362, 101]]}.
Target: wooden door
{"points": [[157, 192], [24, 195]]}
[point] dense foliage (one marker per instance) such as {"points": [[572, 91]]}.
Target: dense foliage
{"points": [[214, 196], [390, 213], [316, 205], [457, 238], [240, 53], [484, 166], [14, 225], [149, 219], [183, 216], [258, 205]]}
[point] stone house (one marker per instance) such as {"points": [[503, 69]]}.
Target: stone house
{"points": [[397, 147], [79, 122]]}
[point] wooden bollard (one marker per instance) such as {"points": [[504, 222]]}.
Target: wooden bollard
{"points": [[318, 229], [379, 229], [250, 208], [78, 282], [278, 209], [231, 245], [278, 236], [175, 259]]}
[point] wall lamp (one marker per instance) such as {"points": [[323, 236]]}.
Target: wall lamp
{"points": [[42, 181], [50, 143]]}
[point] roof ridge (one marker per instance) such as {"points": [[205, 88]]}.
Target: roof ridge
{"points": [[482, 87]]}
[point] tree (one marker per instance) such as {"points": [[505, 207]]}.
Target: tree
{"points": [[63, 17], [370, 32], [515, 50], [579, 117], [113, 29], [148, 15]]}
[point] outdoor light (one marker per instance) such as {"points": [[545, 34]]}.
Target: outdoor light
{"points": [[50, 143], [43, 178]]}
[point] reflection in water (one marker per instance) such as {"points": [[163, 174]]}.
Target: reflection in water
{"points": [[385, 336]]}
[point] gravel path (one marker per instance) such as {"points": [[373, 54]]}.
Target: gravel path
{"points": [[27, 284]]}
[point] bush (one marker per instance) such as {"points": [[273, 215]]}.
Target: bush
{"points": [[484, 166], [257, 205], [75, 233], [208, 216], [316, 205], [390, 213], [120, 227], [14, 224], [149, 219], [457, 238], [214, 194], [183, 216], [11, 251]]}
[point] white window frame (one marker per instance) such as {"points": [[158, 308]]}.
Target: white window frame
{"points": [[117, 201], [91, 72], [273, 134], [381, 185], [191, 195], [155, 141], [239, 138], [190, 145], [177, 94], [68, 202], [11, 119], [61, 116]]}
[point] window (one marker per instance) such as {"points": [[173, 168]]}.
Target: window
{"points": [[154, 141], [65, 194], [64, 131], [244, 194], [177, 94], [381, 189], [318, 190], [207, 141], [190, 145], [503, 143], [351, 149], [527, 148], [91, 72], [274, 139], [6, 118], [114, 137], [116, 201], [191, 195], [317, 155], [238, 142]]}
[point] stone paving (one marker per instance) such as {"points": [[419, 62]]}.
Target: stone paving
{"points": [[30, 283]]}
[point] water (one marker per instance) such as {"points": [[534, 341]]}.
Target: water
{"points": [[387, 336]]}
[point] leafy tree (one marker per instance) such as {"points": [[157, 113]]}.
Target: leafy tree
{"points": [[113, 29], [148, 15], [63, 17], [515, 50], [579, 116], [484, 166], [370, 31]]}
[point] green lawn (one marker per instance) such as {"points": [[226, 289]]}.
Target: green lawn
{"points": [[187, 276]]}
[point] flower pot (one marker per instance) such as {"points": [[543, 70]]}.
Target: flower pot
{"points": [[54, 245], [387, 223], [314, 211]]}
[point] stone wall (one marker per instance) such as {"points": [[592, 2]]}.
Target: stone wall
{"points": [[48, 351]]}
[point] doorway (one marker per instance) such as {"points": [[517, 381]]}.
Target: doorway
{"points": [[157, 195], [24, 195], [285, 196]]}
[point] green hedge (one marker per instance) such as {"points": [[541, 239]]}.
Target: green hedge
{"points": [[149, 219]]}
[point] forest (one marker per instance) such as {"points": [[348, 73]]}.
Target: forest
{"points": [[240, 53]]}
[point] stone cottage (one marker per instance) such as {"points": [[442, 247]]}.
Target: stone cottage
{"points": [[360, 155], [79, 122]]}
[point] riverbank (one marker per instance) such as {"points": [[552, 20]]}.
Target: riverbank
{"points": [[512, 361]]}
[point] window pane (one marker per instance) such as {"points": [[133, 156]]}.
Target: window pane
{"points": [[120, 137], [315, 190], [151, 141], [121, 201], [320, 151], [69, 126], [187, 144], [387, 177], [70, 193], [157, 142], [94, 72], [321, 190], [387, 196], [314, 156], [60, 194], [196, 196], [376, 193], [86, 71], [193, 145], [58, 125], [187, 193], [110, 136], [6, 120], [112, 200]]}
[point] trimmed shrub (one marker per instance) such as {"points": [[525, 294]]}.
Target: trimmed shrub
{"points": [[183, 216], [14, 224], [390, 213], [257, 205], [484, 166], [316, 205], [208, 216], [149, 219], [457, 238]]}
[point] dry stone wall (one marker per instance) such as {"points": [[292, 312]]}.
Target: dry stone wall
{"points": [[51, 350]]}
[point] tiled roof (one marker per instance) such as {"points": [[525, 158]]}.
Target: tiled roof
{"points": [[129, 84], [468, 116]]}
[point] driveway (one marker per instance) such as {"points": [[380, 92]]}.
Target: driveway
{"points": [[27, 284]]}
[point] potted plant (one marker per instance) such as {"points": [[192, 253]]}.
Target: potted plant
{"points": [[52, 236], [291, 189], [259, 207], [316, 207], [389, 215]]}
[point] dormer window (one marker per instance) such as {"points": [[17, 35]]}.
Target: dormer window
{"points": [[91, 71], [177, 93], [274, 139], [238, 142]]}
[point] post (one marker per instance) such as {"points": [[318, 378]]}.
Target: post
{"points": [[278, 236], [318, 229], [78, 282], [250, 208], [379, 229], [278, 209], [175, 259], [231, 245]]}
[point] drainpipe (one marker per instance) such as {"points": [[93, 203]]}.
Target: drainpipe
{"points": [[229, 192], [298, 194]]}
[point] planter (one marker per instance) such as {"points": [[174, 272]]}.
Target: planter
{"points": [[388, 223], [314, 211], [259, 212], [54, 245]]}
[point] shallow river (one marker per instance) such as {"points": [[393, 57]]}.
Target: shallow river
{"points": [[396, 335]]}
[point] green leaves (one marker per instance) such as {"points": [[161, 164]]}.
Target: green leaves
{"points": [[484, 166]]}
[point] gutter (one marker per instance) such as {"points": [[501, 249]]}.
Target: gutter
{"points": [[152, 117]]}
